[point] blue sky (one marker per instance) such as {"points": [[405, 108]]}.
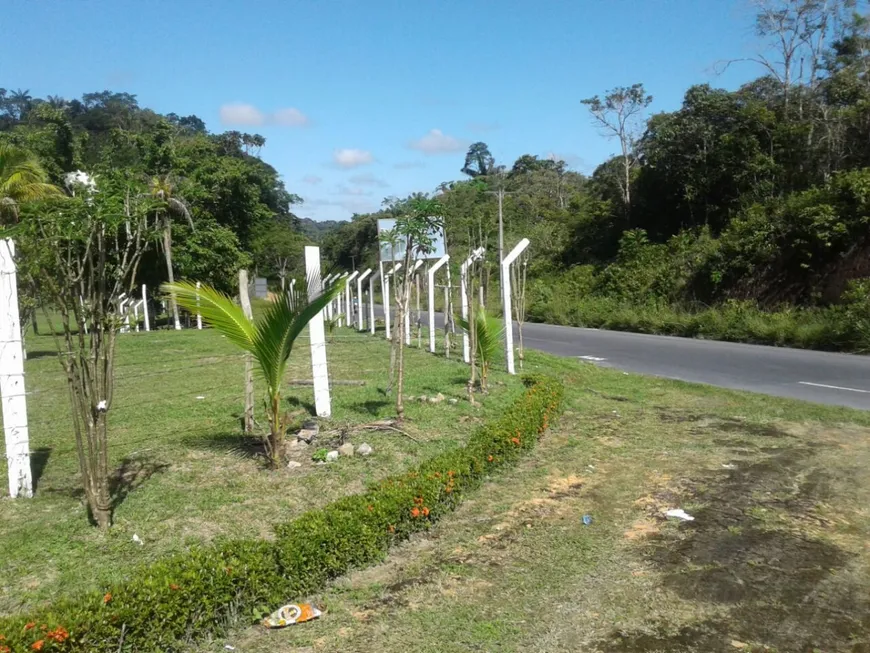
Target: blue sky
{"points": [[363, 99]]}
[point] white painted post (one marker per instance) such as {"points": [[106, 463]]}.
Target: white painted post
{"points": [[372, 298], [359, 297], [317, 333], [408, 307], [12, 394], [338, 312], [198, 316], [324, 285], [387, 302], [348, 294], [145, 308], [125, 312], [136, 314], [463, 292], [431, 286], [506, 303]]}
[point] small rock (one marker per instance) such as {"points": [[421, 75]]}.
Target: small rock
{"points": [[138, 540], [346, 449], [364, 449], [331, 456], [294, 464], [738, 644], [437, 399], [309, 431], [297, 444], [453, 401]]}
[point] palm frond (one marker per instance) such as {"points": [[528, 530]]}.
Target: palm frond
{"points": [[277, 331], [217, 309], [487, 334]]}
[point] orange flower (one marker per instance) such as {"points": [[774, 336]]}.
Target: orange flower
{"points": [[371, 508], [59, 634], [415, 512], [38, 644], [391, 528], [516, 441], [29, 626], [107, 597], [2, 638], [418, 501], [425, 511], [451, 473], [174, 587], [5, 649], [448, 489]]}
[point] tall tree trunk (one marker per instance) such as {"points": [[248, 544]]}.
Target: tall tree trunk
{"points": [[170, 275]]}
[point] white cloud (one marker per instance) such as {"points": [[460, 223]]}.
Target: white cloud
{"points": [[437, 142], [408, 165], [247, 115], [289, 117], [311, 179], [351, 158], [366, 179], [241, 114]]}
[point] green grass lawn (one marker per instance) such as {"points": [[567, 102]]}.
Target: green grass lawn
{"points": [[184, 473], [776, 559]]}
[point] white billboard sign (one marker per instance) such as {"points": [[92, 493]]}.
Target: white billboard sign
{"points": [[396, 252]]}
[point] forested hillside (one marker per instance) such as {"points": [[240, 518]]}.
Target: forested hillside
{"points": [[742, 215], [225, 207]]}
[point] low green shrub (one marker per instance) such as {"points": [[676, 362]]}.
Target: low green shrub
{"points": [[199, 593]]}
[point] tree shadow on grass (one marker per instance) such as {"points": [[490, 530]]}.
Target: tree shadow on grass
{"points": [[38, 460], [41, 353], [296, 402], [371, 407], [238, 445], [132, 474]]}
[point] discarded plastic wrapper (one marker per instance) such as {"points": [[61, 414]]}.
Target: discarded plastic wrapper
{"points": [[679, 513], [290, 614]]}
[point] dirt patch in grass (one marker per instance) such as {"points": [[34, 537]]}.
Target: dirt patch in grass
{"points": [[775, 583]]}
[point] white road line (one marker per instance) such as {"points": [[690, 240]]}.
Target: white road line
{"points": [[833, 387], [597, 359]]}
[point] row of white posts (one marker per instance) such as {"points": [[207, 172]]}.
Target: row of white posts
{"points": [[13, 395], [335, 308]]}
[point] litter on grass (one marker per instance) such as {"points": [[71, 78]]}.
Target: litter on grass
{"points": [[290, 614], [679, 513], [587, 519]]}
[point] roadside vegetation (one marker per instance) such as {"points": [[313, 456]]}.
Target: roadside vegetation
{"points": [[775, 559]]}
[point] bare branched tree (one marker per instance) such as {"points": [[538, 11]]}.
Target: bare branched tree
{"points": [[83, 253], [619, 114]]}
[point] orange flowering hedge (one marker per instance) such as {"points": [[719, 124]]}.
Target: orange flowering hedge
{"points": [[166, 605]]}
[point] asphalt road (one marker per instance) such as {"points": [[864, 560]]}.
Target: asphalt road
{"points": [[822, 377]]}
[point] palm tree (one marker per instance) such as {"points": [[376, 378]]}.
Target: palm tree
{"points": [[270, 340], [487, 335], [22, 179], [168, 206]]}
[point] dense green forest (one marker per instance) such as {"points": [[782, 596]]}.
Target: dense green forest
{"points": [[232, 207], [741, 215]]}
